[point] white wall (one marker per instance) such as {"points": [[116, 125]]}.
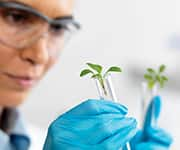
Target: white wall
{"points": [[134, 34]]}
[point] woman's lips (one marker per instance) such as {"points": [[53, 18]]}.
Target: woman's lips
{"points": [[24, 81]]}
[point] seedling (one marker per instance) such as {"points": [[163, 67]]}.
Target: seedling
{"points": [[98, 73], [154, 77]]}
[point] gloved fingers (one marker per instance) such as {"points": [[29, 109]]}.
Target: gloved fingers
{"points": [[93, 118], [106, 132], [74, 121], [153, 138], [62, 144], [47, 144], [119, 138], [95, 128], [153, 112], [95, 107], [136, 139], [84, 122], [160, 136], [94, 124], [150, 146]]}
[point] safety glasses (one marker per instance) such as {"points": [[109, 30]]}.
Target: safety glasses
{"points": [[21, 26]]}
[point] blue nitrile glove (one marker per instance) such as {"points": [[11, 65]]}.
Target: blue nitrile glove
{"points": [[92, 125], [152, 137]]}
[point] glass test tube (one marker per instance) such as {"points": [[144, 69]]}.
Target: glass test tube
{"points": [[107, 92], [146, 98]]}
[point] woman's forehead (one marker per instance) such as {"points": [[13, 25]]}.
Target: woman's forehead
{"points": [[51, 8]]}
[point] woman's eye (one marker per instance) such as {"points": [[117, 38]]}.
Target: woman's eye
{"points": [[15, 17], [57, 29]]}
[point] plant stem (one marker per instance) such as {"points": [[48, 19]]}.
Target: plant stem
{"points": [[101, 80]]}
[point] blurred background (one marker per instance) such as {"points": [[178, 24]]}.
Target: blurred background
{"points": [[133, 34]]}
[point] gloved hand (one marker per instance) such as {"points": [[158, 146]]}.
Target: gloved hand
{"points": [[152, 137], [92, 125]]}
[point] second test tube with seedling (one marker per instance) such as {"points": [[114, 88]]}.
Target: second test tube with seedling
{"points": [[154, 80]]}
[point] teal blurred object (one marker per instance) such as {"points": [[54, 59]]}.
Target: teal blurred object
{"points": [[151, 137], [92, 125]]}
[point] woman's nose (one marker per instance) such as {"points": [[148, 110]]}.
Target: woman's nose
{"points": [[37, 53]]}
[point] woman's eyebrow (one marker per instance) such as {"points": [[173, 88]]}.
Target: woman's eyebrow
{"points": [[68, 17]]}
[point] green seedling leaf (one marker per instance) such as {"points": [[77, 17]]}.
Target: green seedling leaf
{"points": [[162, 68], [151, 84], [98, 73], [150, 70], [97, 76], [161, 83], [158, 78], [164, 78], [155, 77], [85, 72], [113, 69], [95, 67], [148, 77]]}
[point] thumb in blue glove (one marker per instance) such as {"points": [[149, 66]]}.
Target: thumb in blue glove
{"points": [[94, 124], [152, 137]]}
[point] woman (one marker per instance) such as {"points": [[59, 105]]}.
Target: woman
{"points": [[32, 34]]}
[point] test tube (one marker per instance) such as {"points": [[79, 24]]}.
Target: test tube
{"points": [[107, 91], [110, 87], [99, 89], [146, 97], [153, 94], [109, 94]]}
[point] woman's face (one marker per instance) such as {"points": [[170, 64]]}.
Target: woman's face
{"points": [[33, 61]]}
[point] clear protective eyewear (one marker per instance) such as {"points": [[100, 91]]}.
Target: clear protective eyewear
{"points": [[22, 25]]}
